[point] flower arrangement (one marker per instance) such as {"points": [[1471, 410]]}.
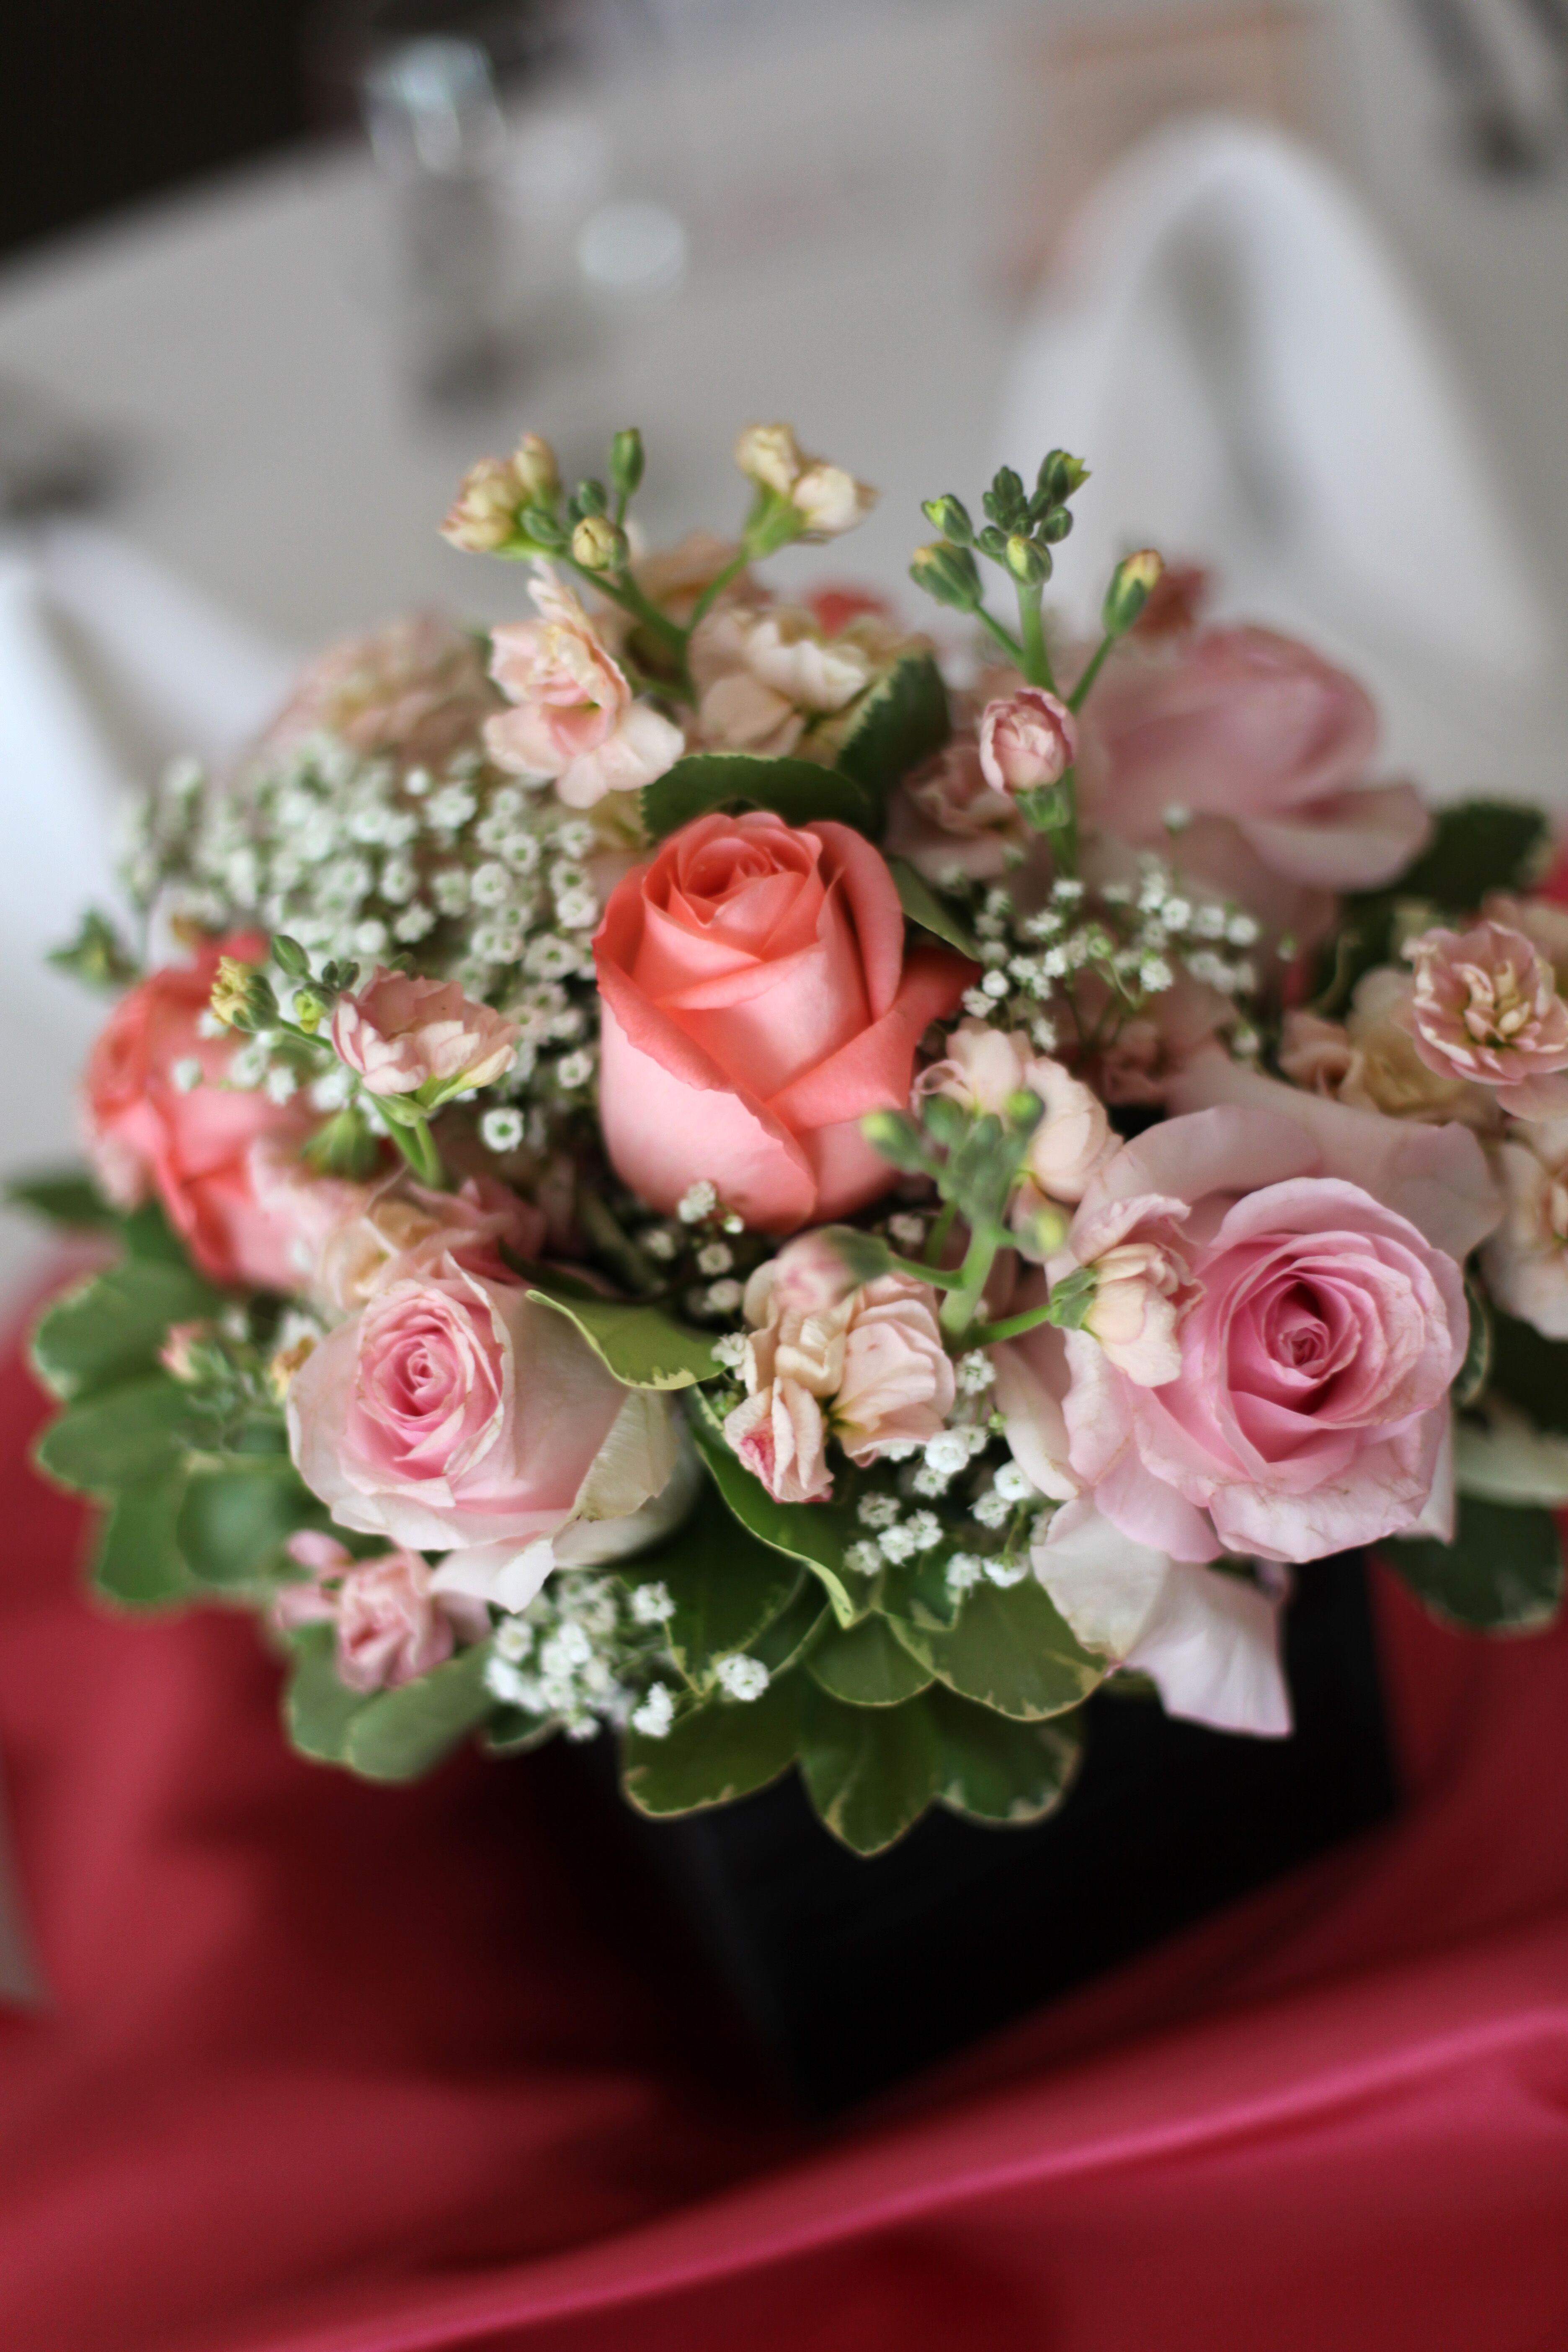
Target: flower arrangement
{"points": [[710, 1167]]}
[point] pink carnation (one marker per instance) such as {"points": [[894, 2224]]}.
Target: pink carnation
{"points": [[421, 1036], [576, 720], [869, 1368], [1027, 740], [1485, 1008]]}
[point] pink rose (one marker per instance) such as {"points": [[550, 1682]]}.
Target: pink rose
{"points": [[1322, 1330], [869, 1368], [1264, 747], [391, 1625], [379, 1230], [1484, 1008], [160, 1118], [452, 1414], [577, 720], [945, 817], [1027, 740], [414, 691], [757, 1003], [421, 1037]]}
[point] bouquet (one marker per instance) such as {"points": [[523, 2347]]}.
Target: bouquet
{"points": [[723, 1168]]}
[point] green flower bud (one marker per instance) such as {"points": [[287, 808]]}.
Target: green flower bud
{"points": [[310, 1011], [626, 461], [895, 1137], [948, 573], [1054, 524], [590, 497], [1004, 501], [951, 516], [543, 528], [1130, 585], [289, 957], [1029, 564], [1059, 476]]}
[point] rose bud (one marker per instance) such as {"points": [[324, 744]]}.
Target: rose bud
{"points": [[1027, 740]]}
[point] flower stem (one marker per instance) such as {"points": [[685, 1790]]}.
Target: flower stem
{"points": [[958, 1308], [1009, 644], [1011, 1326], [716, 587], [412, 1134], [1036, 664], [936, 1240], [1091, 670]]}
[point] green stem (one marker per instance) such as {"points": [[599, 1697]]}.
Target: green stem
{"points": [[1009, 645], [1093, 668], [418, 1145], [716, 587], [958, 1308], [1011, 1326], [936, 1240], [1037, 662], [935, 1276]]}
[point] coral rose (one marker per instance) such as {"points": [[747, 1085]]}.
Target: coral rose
{"points": [[160, 1119], [423, 1037], [577, 720], [869, 1368], [757, 1003], [454, 1414]]}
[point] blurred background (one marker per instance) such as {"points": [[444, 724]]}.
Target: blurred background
{"points": [[1291, 274]]}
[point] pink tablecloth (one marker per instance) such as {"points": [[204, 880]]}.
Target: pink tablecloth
{"points": [[332, 2068]]}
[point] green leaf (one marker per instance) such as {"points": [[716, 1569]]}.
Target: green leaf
{"points": [[148, 1233], [1530, 1371], [816, 1533], [399, 1733], [995, 1769], [1501, 1574], [1010, 1650], [797, 790], [871, 1771], [644, 1346], [901, 723], [726, 1588], [794, 1635], [117, 1438], [512, 1731], [67, 1197], [113, 1324], [239, 1513], [318, 1709], [918, 1590], [922, 904], [868, 1666], [718, 1753], [1476, 1371], [139, 1564], [1476, 846]]}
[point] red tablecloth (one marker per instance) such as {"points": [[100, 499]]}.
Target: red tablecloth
{"points": [[332, 2068]]}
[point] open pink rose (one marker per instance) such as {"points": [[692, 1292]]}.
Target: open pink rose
{"points": [[391, 1625], [576, 719], [757, 1003], [1027, 740], [407, 1037], [1264, 747], [453, 1414], [868, 1368], [1310, 1409], [160, 1119]]}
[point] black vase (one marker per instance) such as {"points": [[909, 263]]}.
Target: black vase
{"points": [[855, 1973]]}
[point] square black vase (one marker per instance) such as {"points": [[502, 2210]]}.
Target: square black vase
{"points": [[855, 1973]]}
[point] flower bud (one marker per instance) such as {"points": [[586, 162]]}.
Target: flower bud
{"points": [[951, 516], [626, 461], [483, 515], [1059, 476], [537, 474], [290, 958], [948, 573], [895, 1137], [589, 497], [310, 1011], [1132, 584], [1004, 501], [1029, 566], [231, 996], [1027, 740], [1054, 524], [769, 455], [597, 545], [545, 529], [830, 500]]}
